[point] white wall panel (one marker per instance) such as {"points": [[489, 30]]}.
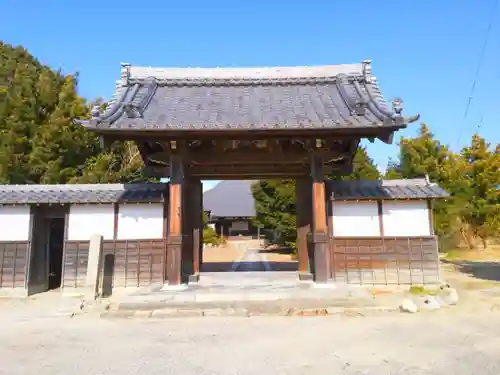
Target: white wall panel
{"points": [[14, 223], [140, 221], [355, 219], [87, 220], [405, 218]]}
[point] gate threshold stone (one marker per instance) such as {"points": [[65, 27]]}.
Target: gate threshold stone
{"points": [[251, 308], [250, 294]]}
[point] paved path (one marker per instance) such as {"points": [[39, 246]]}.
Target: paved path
{"points": [[439, 343], [251, 260], [245, 256]]}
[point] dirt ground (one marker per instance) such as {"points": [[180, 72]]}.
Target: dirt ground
{"points": [[38, 336], [450, 341]]}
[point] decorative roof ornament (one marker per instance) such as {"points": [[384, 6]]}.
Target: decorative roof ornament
{"points": [[397, 106], [132, 110], [95, 112]]}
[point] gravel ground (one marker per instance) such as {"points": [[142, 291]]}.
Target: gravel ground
{"points": [[445, 342]]}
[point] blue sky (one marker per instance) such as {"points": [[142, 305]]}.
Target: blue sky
{"points": [[425, 51]]}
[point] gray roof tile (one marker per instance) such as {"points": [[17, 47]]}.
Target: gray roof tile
{"points": [[386, 189], [230, 198], [334, 97], [84, 193]]}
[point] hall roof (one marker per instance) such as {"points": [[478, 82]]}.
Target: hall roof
{"points": [[230, 198], [333, 97]]}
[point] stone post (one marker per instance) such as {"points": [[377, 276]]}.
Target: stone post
{"points": [[93, 268]]}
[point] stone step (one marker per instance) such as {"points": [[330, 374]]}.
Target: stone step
{"points": [[299, 307], [166, 313]]}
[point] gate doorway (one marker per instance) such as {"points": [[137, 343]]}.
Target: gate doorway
{"points": [[47, 248], [55, 250]]}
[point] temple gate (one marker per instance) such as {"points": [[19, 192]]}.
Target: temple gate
{"points": [[194, 124]]}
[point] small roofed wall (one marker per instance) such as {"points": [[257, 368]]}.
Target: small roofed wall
{"points": [[14, 223], [14, 245], [408, 218], [85, 220], [383, 242], [133, 247], [135, 221]]}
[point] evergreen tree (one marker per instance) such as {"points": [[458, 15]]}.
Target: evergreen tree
{"points": [[363, 167], [275, 207], [477, 193], [60, 147], [39, 139]]}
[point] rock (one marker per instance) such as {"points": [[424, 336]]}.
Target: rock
{"points": [[449, 296], [428, 303], [408, 306]]}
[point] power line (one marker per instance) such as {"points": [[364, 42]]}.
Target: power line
{"points": [[479, 65]]}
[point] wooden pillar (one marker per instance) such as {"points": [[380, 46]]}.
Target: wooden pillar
{"points": [[196, 227], [319, 233], [303, 195], [174, 242], [188, 217]]}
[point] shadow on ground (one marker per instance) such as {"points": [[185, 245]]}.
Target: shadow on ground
{"points": [[249, 266], [485, 270], [279, 250]]}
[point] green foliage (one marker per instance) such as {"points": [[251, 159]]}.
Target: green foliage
{"points": [[209, 234], [363, 167], [275, 208], [40, 141], [471, 177], [477, 193]]}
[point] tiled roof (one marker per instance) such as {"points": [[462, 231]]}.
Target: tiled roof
{"points": [[330, 97], [85, 193], [386, 189], [230, 198]]}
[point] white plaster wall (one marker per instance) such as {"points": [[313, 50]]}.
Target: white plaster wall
{"points": [[14, 223], [86, 220], [405, 218], [355, 219], [140, 221]]}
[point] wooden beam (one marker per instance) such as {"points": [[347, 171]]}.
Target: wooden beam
{"points": [[245, 171], [264, 156]]}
